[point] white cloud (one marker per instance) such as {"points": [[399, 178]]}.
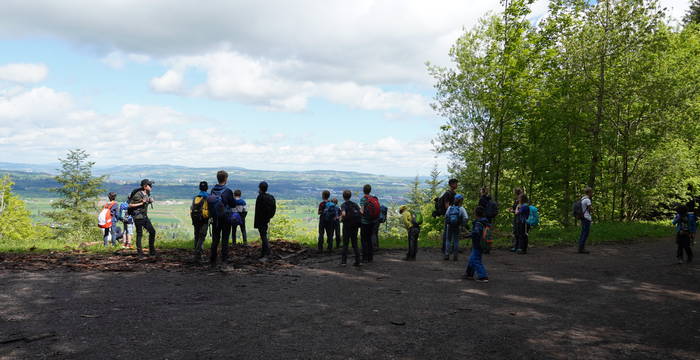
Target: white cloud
{"points": [[117, 59], [23, 73], [39, 125], [170, 82]]}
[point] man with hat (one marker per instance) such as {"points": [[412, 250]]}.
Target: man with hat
{"points": [[138, 204]]}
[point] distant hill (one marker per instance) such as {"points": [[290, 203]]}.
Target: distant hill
{"points": [[177, 182]]}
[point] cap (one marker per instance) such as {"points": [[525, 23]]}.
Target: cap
{"points": [[459, 197], [145, 182]]}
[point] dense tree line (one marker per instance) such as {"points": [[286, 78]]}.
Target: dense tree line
{"points": [[604, 94]]}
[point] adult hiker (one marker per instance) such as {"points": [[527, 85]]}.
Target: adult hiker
{"points": [[221, 203], [586, 219], [516, 194], [139, 201], [351, 217], [369, 208], [445, 201], [326, 221], [265, 208]]}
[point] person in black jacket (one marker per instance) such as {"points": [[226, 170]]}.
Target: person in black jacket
{"points": [[138, 205], [221, 227], [265, 208]]}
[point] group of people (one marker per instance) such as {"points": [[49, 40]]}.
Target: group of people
{"points": [[225, 211], [133, 214]]}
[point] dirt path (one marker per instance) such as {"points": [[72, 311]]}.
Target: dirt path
{"points": [[626, 301]]}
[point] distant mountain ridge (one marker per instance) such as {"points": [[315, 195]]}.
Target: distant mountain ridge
{"points": [[174, 181]]}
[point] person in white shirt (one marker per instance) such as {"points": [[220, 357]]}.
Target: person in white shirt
{"points": [[586, 221]]}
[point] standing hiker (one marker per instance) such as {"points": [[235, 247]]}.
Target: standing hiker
{"points": [[199, 212], [139, 201], [265, 208], [444, 202], [586, 220], [326, 221], [522, 213], [516, 193], [221, 204], [411, 221], [242, 209], [455, 217], [336, 223], [108, 218], [685, 227], [351, 218], [369, 208]]}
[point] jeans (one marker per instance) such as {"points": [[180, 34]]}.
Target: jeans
{"points": [[221, 230], [683, 242], [350, 236], [200, 234], [366, 231], [140, 225], [452, 240], [375, 235], [413, 234], [244, 236], [521, 236], [475, 264], [264, 241], [585, 230], [327, 228]]}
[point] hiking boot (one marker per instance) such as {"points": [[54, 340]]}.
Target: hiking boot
{"points": [[680, 260], [583, 251], [520, 251], [513, 249], [446, 257], [482, 280], [343, 263], [468, 277]]}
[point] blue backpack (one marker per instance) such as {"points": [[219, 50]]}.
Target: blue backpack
{"points": [[216, 204], [453, 216], [235, 219], [330, 212], [534, 218]]}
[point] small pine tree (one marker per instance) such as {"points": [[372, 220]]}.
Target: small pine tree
{"points": [[434, 184], [75, 210], [693, 14], [417, 195]]}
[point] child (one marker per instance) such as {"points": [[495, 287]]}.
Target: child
{"points": [[241, 208], [474, 264], [324, 227], [412, 225], [685, 227], [350, 216], [199, 222], [128, 222], [455, 216], [110, 232], [522, 212]]}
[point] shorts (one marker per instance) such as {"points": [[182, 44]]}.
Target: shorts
{"points": [[129, 229]]}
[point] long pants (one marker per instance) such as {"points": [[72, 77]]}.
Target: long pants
{"points": [[112, 230], [200, 234], [585, 230], [521, 236], [413, 234], [375, 235], [475, 264], [140, 225], [444, 238], [327, 228], [683, 242], [515, 232], [221, 230], [350, 236], [452, 240], [336, 233], [244, 236], [366, 231], [264, 241]]}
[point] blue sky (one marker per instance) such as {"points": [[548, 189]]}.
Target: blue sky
{"points": [[275, 85]]}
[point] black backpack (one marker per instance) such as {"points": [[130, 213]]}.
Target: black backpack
{"points": [[269, 205], [578, 209], [383, 214], [491, 210], [352, 213], [132, 211], [683, 225], [439, 206]]}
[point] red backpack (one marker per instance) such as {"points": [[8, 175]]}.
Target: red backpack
{"points": [[104, 219], [372, 207]]}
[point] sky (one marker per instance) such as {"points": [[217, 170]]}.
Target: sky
{"points": [[273, 85]]}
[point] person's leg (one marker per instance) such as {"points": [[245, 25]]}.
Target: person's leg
{"points": [[585, 230], [336, 234], [469, 272], [416, 235], [444, 238], [321, 232], [139, 236], [105, 236], [455, 245], [366, 239], [412, 243], [514, 245], [233, 234], [346, 240], [526, 239], [330, 228], [225, 233], [375, 236], [475, 261], [353, 239], [113, 232], [151, 236], [265, 242], [215, 238], [244, 234]]}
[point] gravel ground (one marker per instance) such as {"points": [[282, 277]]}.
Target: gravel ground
{"points": [[622, 301]]}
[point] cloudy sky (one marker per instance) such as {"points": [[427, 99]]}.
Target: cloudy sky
{"points": [[274, 85]]}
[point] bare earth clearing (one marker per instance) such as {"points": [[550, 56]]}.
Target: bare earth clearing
{"points": [[623, 301]]}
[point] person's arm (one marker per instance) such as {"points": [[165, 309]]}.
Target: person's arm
{"points": [[139, 196]]}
